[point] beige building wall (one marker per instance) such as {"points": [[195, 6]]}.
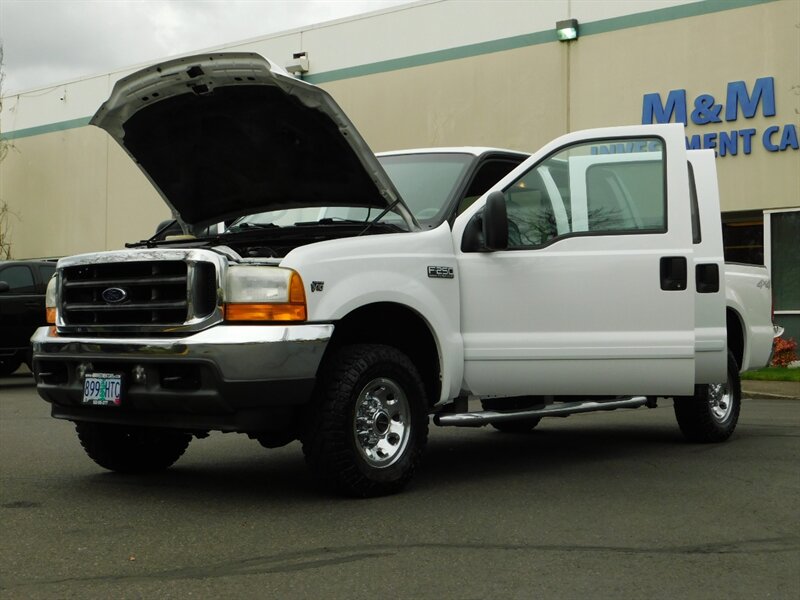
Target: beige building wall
{"points": [[511, 99], [75, 191], [525, 97], [611, 72]]}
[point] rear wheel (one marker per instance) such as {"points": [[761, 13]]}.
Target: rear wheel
{"points": [[132, 449], [712, 413], [369, 425], [517, 425]]}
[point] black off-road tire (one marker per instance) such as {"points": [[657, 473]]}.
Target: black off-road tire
{"points": [[711, 415], [355, 379], [132, 449], [516, 426], [8, 365]]}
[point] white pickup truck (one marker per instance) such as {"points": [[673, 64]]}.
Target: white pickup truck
{"points": [[353, 297]]}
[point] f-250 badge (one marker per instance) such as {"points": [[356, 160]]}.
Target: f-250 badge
{"points": [[316, 286], [441, 272]]}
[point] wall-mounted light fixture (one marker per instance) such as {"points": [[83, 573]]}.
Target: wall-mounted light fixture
{"points": [[567, 30], [299, 64]]}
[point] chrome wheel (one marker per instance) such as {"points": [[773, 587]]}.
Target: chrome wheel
{"points": [[381, 422], [719, 399], [711, 414], [369, 425]]}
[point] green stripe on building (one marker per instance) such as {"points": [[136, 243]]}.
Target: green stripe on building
{"points": [[532, 39], [49, 128]]}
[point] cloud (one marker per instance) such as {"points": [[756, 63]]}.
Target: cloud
{"points": [[46, 42]]}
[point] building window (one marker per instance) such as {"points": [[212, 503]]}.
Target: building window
{"points": [[743, 237], [781, 229]]}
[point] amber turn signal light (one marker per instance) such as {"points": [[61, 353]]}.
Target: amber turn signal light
{"points": [[265, 312]]}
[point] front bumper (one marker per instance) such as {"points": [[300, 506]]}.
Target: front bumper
{"points": [[228, 377]]}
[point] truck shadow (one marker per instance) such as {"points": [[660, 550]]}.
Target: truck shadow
{"points": [[453, 458], [489, 454]]}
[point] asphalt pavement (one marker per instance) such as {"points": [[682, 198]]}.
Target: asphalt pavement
{"points": [[605, 505]]}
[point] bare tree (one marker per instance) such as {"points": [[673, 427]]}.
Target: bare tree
{"points": [[5, 212]]}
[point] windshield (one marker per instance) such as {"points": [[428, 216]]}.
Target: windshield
{"points": [[426, 181]]}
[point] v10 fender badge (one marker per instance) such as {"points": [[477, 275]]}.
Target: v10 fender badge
{"points": [[316, 286], [114, 295], [441, 272]]}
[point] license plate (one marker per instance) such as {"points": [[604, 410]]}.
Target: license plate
{"points": [[102, 389]]}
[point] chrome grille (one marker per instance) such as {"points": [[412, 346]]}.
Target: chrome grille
{"points": [[154, 293]]}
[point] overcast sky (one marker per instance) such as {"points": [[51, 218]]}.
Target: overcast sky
{"points": [[47, 42]]}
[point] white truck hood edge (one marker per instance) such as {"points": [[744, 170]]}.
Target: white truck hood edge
{"points": [[228, 134]]}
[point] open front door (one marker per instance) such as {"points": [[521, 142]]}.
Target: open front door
{"points": [[594, 294]]}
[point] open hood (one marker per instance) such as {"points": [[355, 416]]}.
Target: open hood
{"points": [[230, 134]]}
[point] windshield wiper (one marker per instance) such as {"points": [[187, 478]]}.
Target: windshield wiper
{"points": [[379, 217], [330, 221], [151, 241], [248, 225]]}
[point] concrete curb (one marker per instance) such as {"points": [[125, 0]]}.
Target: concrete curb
{"points": [[789, 390], [750, 395]]}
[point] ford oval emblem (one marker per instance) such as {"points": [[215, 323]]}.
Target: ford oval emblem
{"points": [[114, 295]]}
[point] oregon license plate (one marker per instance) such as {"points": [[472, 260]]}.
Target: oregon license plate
{"points": [[102, 389]]}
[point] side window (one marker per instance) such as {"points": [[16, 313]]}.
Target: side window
{"points": [[531, 212], [614, 187], [46, 272], [19, 278]]}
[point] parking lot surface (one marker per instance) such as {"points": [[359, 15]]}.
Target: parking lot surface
{"points": [[609, 505]]}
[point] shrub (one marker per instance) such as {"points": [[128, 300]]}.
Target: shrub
{"points": [[784, 352]]}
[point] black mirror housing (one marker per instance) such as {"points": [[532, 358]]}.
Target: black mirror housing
{"points": [[4, 287], [495, 222]]}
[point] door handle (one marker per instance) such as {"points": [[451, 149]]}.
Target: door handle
{"points": [[707, 278], [673, 273]]}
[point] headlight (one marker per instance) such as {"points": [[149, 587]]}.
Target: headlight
{"points": [[50, 300], [264, 294]]}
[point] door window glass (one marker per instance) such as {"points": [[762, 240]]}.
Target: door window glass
{"points": [[19, 278], [585, 189]]}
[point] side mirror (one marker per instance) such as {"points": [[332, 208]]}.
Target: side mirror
{"points": [[4, 287], [495, 222]]}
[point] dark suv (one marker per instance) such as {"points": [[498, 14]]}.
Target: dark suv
{"points": [[22, 309]]}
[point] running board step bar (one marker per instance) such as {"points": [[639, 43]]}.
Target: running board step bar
{"points": [[481, 418]]}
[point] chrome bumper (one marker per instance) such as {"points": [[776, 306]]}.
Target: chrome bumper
{"points": [[239, 353], [228, 378]]}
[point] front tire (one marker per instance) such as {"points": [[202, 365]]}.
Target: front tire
{"points": [[132, 449], [369, 427], [711, 415]]}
